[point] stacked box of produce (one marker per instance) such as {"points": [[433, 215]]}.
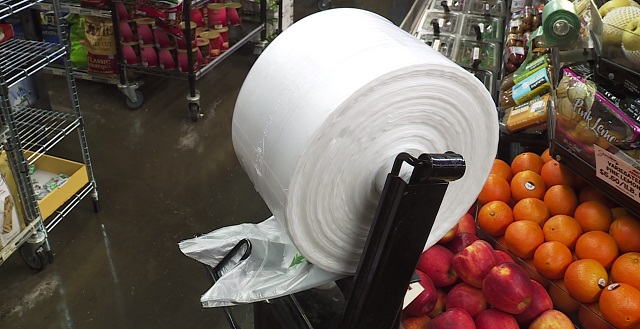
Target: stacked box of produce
{"points": [[578, 244]]}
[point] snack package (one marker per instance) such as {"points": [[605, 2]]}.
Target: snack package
{"points": [[101, 45], [530, 114], [536, 84]]}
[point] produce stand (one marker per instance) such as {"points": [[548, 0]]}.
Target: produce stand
{"points": [[28, 134]]}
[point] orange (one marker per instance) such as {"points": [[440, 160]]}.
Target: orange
{"points": [[590, 317], [561, 200], [527, 184], [495, 188], [626, 231], [561, 300], [494, 218], [626, 269], [564, 229], [598, 246], [593, 216], [590, 193], [502, 169], [553, 173], [551, 259], [526, 161], [546, 156], [531, 209], [585, 279], [523, 238], [620, 305], [618, 212], [533, 274]]}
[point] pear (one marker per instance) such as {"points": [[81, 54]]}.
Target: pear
{"points": [[615, 22], [631, 36], [613, 4]]}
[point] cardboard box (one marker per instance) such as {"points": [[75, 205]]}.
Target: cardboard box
{"points": [[78, 178]]}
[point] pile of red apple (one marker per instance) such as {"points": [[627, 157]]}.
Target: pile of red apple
{"points": [[467, 284]]}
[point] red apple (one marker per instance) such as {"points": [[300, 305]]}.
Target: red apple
{"points": [[455, 318], [473, 263], [436, 263], [492, 319], [426, 301], [467, 224], [441, 301], [449, 235], [416, 322], [503, 257], [551, 319], [508, 288], [461, 241], [540, 302], [467, 298]]}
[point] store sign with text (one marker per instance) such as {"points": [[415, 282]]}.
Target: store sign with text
{"points": [[617, 173]]}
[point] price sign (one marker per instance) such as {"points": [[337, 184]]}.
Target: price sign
{"points": [[412, 293], [617, 173]]}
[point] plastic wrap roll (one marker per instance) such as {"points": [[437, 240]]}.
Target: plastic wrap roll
{"points": [[325, 110], [560, 23]]}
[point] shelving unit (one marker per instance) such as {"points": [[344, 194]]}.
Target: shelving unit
{"points": [[29, 133], [247, 31]]}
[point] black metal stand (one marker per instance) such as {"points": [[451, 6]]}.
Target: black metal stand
{"points": [[401, 226]]}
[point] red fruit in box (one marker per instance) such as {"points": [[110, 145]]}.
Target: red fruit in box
{"points": [[492, 319], [508, 288], [436, 263], [552, 319], [416, 322], [455, 318], [467, 224], [473, 263], [441, 302], [461, 241], [467, 298], [540, 302], [449, 235], [426, 301], [503, 257]]}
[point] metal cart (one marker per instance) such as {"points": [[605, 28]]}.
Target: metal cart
{"points": [[246, 32], [29, 133]]}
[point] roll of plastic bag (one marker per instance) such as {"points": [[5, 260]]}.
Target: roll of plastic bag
{"points": [[274, 267], [325, 110]]}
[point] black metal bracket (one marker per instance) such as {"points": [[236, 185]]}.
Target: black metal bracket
{"points": [[402, 223]]}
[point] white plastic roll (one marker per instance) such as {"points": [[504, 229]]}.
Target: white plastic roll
{"points": [[325, 110]]}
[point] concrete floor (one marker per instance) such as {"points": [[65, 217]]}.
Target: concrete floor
{"points": [[161, 179]]}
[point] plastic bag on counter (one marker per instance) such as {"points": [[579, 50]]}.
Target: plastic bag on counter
{"points": [[273, 269]]}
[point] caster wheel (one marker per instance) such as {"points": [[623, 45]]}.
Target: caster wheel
{"points": [[138, 103], [194, 112], [96, 206], [324, 4], [33, 260]]}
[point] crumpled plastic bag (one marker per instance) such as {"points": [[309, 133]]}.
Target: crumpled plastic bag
{"points": [[275, 268]]}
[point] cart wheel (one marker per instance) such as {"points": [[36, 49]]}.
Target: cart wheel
{"points": [[32, 259], [96, 206], [324, 4], [194, 111], [137, 104]]}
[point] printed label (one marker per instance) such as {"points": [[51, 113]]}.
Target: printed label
{"points": [[476, 53], [436, 44], [412, 293], [617, 173]]}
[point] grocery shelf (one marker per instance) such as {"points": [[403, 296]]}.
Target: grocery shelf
{"points": [[74, 8], [81, 74], [10, 7], [55, 219], [14, 244], [40, 130], [203, 70], [22, 58]]}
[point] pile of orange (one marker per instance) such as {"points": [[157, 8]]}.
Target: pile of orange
{"points": [[571, 233]]}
